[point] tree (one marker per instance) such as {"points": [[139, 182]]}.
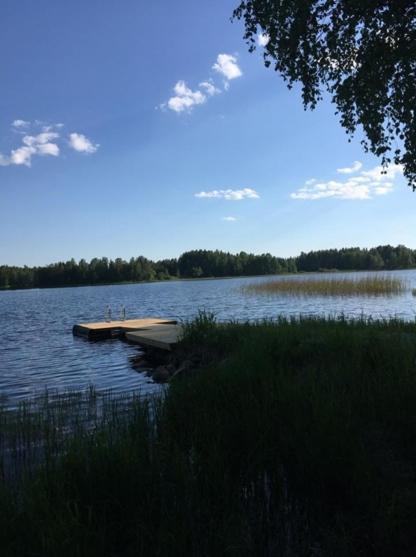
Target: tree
{"points": [[363, 52]]}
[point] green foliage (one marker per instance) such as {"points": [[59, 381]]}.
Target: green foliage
{"points": [[206, 263], [203, 263], [362, 52], [197, 333], [205, 322], [348, 259], [299, 441]]}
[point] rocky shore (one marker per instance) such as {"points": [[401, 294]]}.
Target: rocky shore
{"points": [[162, 366]]}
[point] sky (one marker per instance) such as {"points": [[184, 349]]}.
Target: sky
{"points": [[147, 128]]}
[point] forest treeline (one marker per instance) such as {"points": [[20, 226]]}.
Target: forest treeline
{"points": [[203, 263]]}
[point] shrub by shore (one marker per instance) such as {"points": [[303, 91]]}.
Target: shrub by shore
{"points": [[295, 437]]}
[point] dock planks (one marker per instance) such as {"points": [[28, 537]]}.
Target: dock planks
{"points": [[157, 336], [117, 329]]}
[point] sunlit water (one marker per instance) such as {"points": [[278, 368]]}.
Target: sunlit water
{"points": [[38, 351]]}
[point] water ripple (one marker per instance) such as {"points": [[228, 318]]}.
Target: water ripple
{"points": [[38, 351]]}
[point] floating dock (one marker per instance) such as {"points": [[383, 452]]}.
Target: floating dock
{"points": [[119, 329], [157, 336]]}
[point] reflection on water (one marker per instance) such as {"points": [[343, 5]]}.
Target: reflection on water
{"points": [[37, 349]]}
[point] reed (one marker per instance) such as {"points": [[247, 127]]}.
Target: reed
{"points": [[358, 286], [296, 437]]}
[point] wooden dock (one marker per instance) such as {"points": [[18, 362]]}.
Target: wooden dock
{"points": [[157, 336], [118, 329]]}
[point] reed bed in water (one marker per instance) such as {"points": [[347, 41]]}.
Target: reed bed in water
{"points": [[296, 437], [41, 429], [334, 286]]}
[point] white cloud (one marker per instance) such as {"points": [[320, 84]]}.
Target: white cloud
{"points": [[22, 155], [19, 124], [229, 219], [210, 88], [42, 144], [379, 174], [368, 184], [48, 149], [226, 65], [32, 145], [263, 39], [355, 167], [230, 195], [82, 144], [40, 139], [184, 98]]}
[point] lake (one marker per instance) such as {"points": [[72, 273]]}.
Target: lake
{"points": [[38, 350]]}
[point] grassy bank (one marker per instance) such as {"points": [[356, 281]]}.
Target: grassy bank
{"points": [[295, 438], [375, 285]]}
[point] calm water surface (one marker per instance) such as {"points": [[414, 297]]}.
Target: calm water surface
{"points": [[38, 351]]}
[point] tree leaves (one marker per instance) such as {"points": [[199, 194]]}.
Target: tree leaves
{"points": [[362, 52]]}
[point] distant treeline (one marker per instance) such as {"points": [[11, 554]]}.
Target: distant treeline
{"points": [[204, 263]]}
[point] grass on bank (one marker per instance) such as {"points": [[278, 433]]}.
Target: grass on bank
{"points": [[358, 286], [296, 438]]}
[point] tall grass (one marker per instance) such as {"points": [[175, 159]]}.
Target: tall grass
{"points": [[296, 438], [361, 286], [39, 430]]}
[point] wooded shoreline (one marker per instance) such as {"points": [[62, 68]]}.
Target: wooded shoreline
{"points": [[203, 264]]}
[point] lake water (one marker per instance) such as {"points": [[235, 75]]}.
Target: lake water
{"points": [[38, 350]]}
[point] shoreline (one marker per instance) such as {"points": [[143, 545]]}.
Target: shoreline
{"points": [[193, 279], [310, 413]]}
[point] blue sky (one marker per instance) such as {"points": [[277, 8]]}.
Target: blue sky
{"points": [[137, 127]]}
